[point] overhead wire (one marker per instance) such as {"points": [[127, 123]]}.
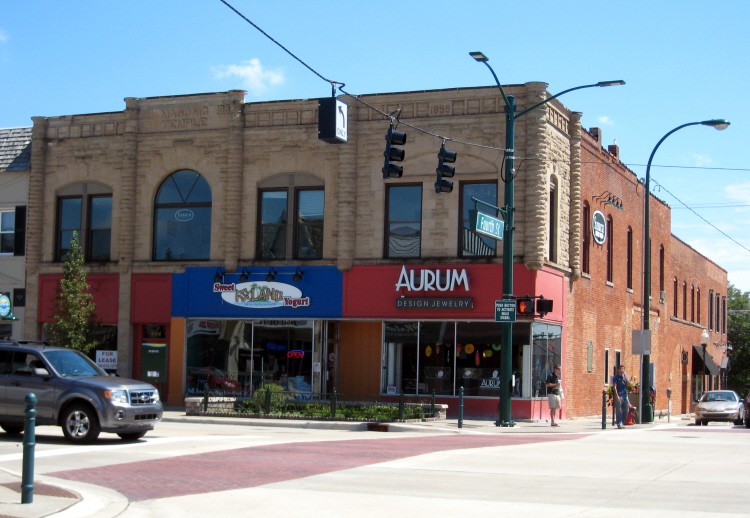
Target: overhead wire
{"points": [[334, 84], [685, 205], [357, 98]]}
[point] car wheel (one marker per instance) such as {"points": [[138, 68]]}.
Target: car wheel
{"points": [[131, 436], [12, 428], [80, 424], [747, 421]]}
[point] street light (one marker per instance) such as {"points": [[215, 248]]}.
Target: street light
{"points": [[704, 343], [647, 413], [506, 355]]}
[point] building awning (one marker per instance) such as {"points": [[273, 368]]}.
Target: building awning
{"points": [[711, 366]]}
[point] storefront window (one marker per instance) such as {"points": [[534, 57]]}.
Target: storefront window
{"points": [[547, 351], [420, 357], [400, 356], [478, 358], [238, 357], [436, 353]]}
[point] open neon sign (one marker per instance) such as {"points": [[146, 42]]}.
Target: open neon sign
{"points": [[296, 353]]}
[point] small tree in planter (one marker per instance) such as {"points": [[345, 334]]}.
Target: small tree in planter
{"points": [[74, 304]]}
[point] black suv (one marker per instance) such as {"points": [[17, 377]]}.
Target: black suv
{"points": [[72, 392]]}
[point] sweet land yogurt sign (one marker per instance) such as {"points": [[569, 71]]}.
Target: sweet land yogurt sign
{"points": [[261, 295]]}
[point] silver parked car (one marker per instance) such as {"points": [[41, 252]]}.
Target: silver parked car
{"points": [[72, 392], [720, 405]]}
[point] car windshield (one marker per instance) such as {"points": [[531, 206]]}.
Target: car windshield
{"points": [[719, 396], [73, 363]]}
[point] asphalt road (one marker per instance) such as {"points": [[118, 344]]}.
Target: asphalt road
{"points": [[216, 469]]}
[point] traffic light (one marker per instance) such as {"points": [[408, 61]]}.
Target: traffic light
{"points": [[543, 306], [525, 306], [393, 154], [445, 156]]}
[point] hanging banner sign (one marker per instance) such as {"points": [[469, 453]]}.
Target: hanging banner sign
{"points": [[599, 227]]}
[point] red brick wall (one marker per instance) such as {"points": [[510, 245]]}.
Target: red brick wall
{"points": [[604, 314]]}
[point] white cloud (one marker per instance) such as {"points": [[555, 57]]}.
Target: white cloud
{"points": [[738, 191], [3, 36], [699, 160], [606, 121], [252, 74]]}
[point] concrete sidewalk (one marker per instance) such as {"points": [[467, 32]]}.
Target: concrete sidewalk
{"points": [[63, 498]]}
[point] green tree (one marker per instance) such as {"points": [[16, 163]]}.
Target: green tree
{"points": [[74, 304], [738, 334]]}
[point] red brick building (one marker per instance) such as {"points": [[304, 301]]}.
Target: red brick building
{"points": [[606, 298]]}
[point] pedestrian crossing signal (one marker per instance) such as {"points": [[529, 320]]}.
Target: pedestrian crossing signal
{"points": [[525, 306]]}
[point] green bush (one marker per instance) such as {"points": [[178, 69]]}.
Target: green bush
{"points": [[283, 407]]}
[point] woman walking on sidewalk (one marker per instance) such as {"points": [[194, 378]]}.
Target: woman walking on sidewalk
{"points": [[553, 393]]}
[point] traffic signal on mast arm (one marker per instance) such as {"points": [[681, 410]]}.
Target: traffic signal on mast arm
{"points": [[445, 156], [525, 306], [393, 154]]}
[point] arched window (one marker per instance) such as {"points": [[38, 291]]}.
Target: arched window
{"points": [[586, 248], [661, 268], [684, 300], [692, 302], [553, 218], [698, 305], [610, 249], [674, 287], [182, 218], [629, 259]]}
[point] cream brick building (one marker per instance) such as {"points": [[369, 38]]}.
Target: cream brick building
{"points": [[341, 324]]}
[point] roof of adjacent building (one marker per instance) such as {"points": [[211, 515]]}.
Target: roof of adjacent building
{"points": [[15, 150]]}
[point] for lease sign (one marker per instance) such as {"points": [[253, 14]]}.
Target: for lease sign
{"points": [[107, 359]]}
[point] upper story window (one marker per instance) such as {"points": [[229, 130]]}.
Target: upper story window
{"points": [[403, 225], [717, 326], [87, 210], [610, 249], [473, 244], [182, 218], [12, 231], [553, 219], [692, 302], [710, 310], [674, 299], [586, 251], [684, 300], [697, 305], [298, 237], [629, 259], [661, 268]]}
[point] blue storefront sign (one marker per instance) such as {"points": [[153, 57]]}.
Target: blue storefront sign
{"points": [[290, 292]]}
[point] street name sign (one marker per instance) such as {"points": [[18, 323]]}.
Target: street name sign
{"points": [[487, 225]]}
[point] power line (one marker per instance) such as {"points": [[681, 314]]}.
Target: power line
{"points": [[701, 217], [354, 96], [701, 168], [446, 138]]}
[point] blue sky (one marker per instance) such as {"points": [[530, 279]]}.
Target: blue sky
{"points": [[683, 61]]}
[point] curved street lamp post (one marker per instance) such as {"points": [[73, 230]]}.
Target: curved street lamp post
{"points": [[647, 411], [506, 355]]}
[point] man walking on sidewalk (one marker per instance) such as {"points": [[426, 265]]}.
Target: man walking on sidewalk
{"points": [[622, 403]]}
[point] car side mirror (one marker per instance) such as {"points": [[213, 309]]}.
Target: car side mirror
{"points": [[41, 372]]}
